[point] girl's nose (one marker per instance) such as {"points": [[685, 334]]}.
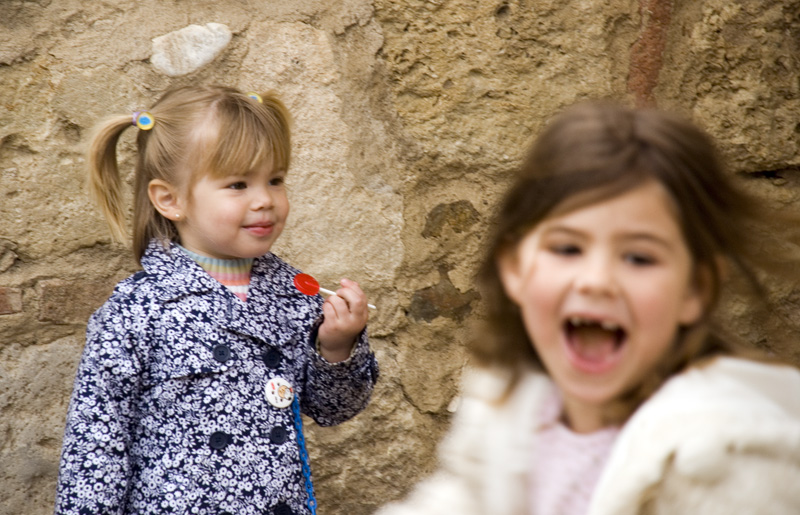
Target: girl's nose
{"points": [[262, 199], [596, 276]]}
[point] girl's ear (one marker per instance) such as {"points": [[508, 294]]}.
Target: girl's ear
{"points": [[699, 296], [509, 269], [165, 199], [693, 307]]}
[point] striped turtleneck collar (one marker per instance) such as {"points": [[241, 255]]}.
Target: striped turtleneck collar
{"points": [[233, 273]]}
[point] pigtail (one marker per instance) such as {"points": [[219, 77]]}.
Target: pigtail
{"points": [[189, 132], [105, 185], [281, 120]]}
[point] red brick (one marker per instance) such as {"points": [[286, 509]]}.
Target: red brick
{"points": [[65, 302], [10, 300], [646, 57]]}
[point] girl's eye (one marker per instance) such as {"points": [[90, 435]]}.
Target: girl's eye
{"points": [[276, 181], [567, 249], [239, 185], [639, 259]]}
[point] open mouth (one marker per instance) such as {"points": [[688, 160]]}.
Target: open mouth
{"points": [[593, 345]]}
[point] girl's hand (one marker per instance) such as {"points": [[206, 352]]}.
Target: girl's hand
{"points": [[345, 317]]}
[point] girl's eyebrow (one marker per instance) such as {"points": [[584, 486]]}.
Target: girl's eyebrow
{"points": [[549, 229], [643, 235], [235, 175], [650, 238], [632, 236]]}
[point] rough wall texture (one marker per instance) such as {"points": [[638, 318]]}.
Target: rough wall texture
{"points": [[409, 117]]}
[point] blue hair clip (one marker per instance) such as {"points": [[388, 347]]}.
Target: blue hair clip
{"points": [[143, 120], [256, 97]]}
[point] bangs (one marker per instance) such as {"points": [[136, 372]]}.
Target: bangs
{"points": [[556, 192], [242, 136], [586, 189]]}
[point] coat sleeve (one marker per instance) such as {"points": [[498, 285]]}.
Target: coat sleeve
{"points": [[749, 482], [336, 392], [443, 493], [453, 487], [484, 458], [94, 469]]}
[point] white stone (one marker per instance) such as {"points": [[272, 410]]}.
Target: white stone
{"points": [[188, 49]]}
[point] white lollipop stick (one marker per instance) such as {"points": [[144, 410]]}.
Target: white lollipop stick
{"points": [[328, 292]]}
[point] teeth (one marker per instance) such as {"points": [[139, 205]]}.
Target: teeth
{"points": [[578, 321]]}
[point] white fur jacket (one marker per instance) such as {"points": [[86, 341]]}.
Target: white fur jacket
{"points": [[721, 439]]}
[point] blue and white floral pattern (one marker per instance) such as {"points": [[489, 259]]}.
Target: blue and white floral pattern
{"points": [[169, 412]]}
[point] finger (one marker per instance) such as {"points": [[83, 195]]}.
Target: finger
{"points": [[329, 310], [356, 300], [347, 283], [339, 305]]}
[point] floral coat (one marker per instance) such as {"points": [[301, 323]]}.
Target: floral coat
{"points": [[170, 413]]}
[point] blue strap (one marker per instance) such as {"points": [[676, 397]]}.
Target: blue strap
{"points": [[301, 442]]}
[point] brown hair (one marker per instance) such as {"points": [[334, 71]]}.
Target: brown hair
{"points": [[595, 151], [212, 130]]}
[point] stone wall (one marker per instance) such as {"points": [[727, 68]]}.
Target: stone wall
{"points": [[409, 118]]}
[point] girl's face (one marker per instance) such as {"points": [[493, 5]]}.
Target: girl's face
{"points": [[238, 216], [602, 291]]}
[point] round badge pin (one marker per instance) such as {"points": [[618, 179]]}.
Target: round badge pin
{"points": [[279, 392]]}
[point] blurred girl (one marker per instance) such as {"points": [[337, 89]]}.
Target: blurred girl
{"points": [[603, 385], [196, 370]]}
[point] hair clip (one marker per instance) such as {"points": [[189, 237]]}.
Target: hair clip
{"points": [[256, 97], [143, 120]]}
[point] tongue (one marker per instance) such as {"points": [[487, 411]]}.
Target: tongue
{"points": [[593, 343]]}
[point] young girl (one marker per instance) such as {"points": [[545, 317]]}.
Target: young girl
{"points": [[604, 387], [196, 370]]}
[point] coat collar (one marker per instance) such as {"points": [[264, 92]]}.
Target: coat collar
{"points": [[178, 275]]}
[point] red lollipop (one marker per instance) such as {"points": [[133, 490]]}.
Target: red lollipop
{"points": [[306, 284], [309, 286]]}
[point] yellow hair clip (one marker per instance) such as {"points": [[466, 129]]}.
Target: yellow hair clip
{"points": [[256, 97], [143, 120]]}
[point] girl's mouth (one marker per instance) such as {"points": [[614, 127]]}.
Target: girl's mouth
{"points": [[260, 229], [593, 346]]}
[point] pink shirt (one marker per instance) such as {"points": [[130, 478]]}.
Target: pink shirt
{"points": [[566, 465]]}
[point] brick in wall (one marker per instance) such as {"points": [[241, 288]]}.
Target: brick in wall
{"points": [[10, 300], [71, 302]]}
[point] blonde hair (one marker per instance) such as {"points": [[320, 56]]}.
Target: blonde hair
{"points": [[209, 130]]}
